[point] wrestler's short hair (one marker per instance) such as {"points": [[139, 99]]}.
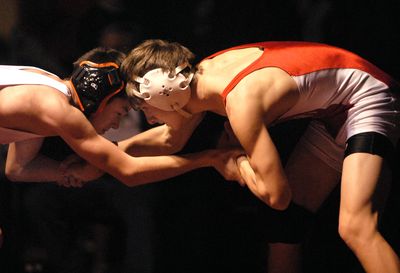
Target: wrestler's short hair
{"points": [[156, 53]]}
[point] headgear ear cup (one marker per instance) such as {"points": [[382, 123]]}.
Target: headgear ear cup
{"points": [[165, 90], [95, 84]]}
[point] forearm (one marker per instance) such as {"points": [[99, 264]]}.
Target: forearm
{"points": [[250, 179], [144, 170], [41, 169], [270, 184], [134, 171], [275, 194], [137, 148], [155, 141], [273, 191], [161, 140]]}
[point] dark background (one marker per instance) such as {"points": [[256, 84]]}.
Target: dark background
{"points": [[196, 222]]}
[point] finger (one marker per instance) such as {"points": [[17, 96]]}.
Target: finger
{"points": [[245, 169]]}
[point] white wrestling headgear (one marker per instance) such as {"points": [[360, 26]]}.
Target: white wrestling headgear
{"points": [[163, 90]]}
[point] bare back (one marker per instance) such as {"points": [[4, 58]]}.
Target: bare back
{"points": [[30, 99], [269, 87], [30, 108]]}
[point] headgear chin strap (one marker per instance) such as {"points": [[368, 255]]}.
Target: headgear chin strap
{"points": [[165, 91], [95, 84]]}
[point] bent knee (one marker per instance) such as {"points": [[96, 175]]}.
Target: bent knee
{"points": [[356, 229]]}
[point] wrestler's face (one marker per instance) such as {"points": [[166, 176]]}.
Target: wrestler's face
{"points": [[156, 116], [111, 115]]}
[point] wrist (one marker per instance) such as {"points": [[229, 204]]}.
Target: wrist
{"points": [[209, 158], [202, 159]]}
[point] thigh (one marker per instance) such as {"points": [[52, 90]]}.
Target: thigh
{"points": [[314, 167], [365, 184], [367, 175]]}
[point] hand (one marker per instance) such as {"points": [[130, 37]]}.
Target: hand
{"points": [[245, 169], [225, 163], [67, 179], [76, 172]]}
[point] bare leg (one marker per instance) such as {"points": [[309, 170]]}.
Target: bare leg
{"points": [[358, 218]]}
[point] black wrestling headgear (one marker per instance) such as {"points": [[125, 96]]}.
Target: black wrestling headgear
{"points": [[95, 84]]}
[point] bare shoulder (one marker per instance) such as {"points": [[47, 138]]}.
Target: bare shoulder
{"points": [[56, 109], [32, 94], [47, 101], [34, 108], [270, 91]]}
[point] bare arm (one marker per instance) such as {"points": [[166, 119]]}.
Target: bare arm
{"points": [[261, 99], [48, 112], [155, 141], [147, 169], [269, 182], [161, 140], [132, 171], [25, 164]]}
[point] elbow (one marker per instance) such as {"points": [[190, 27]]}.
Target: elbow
{"points": [[174, 147], [279, 203], [11, 177], [132, 178], [278, 200], [134, 182], [12, 174], [129, 182], [125, 179], [174, 144]]}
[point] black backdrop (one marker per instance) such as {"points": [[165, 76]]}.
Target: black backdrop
{"points": [[196, 222]]}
